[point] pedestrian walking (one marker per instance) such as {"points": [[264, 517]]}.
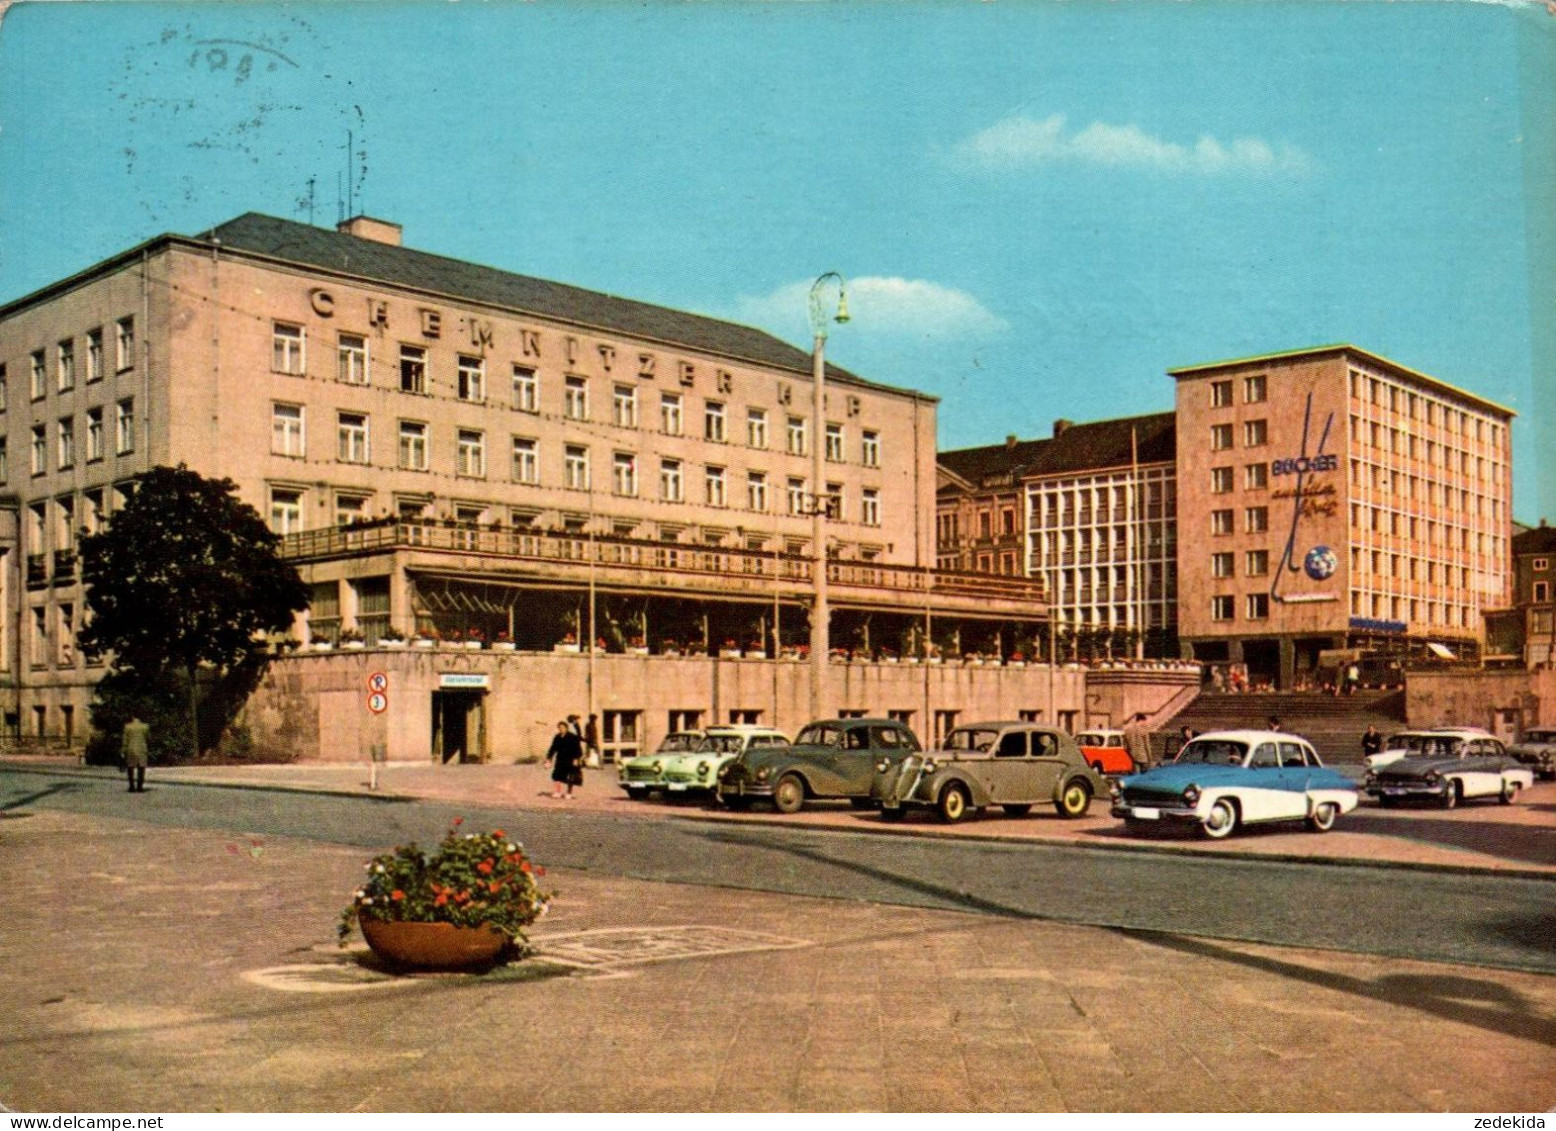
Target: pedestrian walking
{"points": [[565, 757], [134, 751], [1186, 736], [591, 738], [1372, 741], [1275, 722], [1352, 679], [1137, 740]]}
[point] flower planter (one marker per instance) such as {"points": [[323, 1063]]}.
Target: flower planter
{"points": [[730, 654], [754, 655], [433, 946], [353, 645], [322, 646], [569, 649], [637, 651], [505, 646], [472, 645], [391, 644], [424, 643]]}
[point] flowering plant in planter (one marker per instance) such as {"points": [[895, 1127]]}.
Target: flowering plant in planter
{"points": [[392, 634], [471, 880]]}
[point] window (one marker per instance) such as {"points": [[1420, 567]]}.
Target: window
{"points": [[5, 462], [351, 437], [796, 496], [350, 509], [4, 388], [1256, 476], [624, 406], [670, 480], [124, 426], [286, 510], [470, 453], [286, 430], [670, 413], [1255, 433], [756, 490], [1257, 606], [413, 369], [1256, 520], [1220, 437], [870, 506], [713, 482], [94, 434], [834, 502], [756, 427], [870, 449], [124, 344], [1254, 388], [624, 473], [1220, 394], [834, 443], [65, 366], [797, 439], [575, 467], [526, 389], [40, 450], [1221, 608], [1256, 563], [1221, 564], [94, 355], [286, 348], [351, 359], [526, 460], [1220, 480], [713, 422], [1221, 522], [66, 442], [575, 399], [1540, 564], [40, 378], [413, 445], [472, 378]]}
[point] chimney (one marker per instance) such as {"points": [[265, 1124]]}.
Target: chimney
{"points": [[1062, 426], [1010, 442], [367, 228]]}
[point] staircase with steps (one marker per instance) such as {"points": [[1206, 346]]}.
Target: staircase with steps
{"points": [[1333, 725]]}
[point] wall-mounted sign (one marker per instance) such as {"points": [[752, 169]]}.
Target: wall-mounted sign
{"points": [[463, 679], [378, 702], [1368, 624], [1320, 563], [1303, 465]]}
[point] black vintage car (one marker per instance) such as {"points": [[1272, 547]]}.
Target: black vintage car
{"points": [[1537, 750], [830, 758], [1476, 766]]}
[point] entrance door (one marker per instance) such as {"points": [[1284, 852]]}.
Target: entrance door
{"points": [[459, 726]]}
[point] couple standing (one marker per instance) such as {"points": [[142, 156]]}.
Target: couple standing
{"points": [[569, 748]]}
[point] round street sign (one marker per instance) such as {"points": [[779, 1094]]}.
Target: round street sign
{"points": [[378, 681], [378, 702]]}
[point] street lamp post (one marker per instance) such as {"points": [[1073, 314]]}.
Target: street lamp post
{"points": [[820, 635]]}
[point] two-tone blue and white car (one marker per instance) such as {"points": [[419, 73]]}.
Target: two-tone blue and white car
{"points": [[1236, 777]]}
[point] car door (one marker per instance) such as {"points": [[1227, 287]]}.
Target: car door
{"points": [[1296, 770], [1007, 773], [1480, 768], [1048, 765], [1265, 796]]}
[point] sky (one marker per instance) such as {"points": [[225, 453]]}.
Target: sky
{"points": [[1039, 207]]}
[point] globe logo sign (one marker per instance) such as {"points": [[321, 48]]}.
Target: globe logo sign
{"points": [[1320, 563]]}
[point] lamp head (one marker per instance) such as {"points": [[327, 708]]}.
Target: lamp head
{"points": [[842, 306]]}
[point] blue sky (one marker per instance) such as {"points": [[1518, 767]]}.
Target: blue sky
{"points": [[1041, 207]]}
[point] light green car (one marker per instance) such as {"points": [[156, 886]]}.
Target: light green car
{"points": [[642, 774], [697, 772]]}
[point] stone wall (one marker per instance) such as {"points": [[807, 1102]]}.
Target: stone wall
{"points": [[1501, 701]]}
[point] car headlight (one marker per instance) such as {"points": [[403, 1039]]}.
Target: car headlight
{"points": [[929, 765], [702, 769], [882, 766], [658, 767], [1370, 779], [1191, 796], [1432, 777], [763, 774], [724, 770], [1115, 791]]}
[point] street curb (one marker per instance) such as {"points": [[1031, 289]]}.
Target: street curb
{"points": [[867, 830]]}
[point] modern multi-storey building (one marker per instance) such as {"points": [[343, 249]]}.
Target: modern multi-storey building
{"points": [[454, 449], [1331, 499]]}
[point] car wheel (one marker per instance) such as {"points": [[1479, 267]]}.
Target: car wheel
{"points": [[1324, 816], [954, 803], [789, 794], [1074, 801], [1450, 797], [1016, 810], [896, 814], [1509, 793], [1222, 821], [861, 803]]}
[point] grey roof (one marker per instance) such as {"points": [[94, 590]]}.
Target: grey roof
{"points": [[329, 250], [1080, 447], [1538, 540]]}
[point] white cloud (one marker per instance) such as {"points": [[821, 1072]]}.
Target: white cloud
{"points": [[1021, 142], [912, 307]]}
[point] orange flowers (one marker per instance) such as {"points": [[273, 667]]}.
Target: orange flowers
{"points": [[485, 867]]}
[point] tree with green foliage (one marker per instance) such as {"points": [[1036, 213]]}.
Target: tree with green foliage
{"points": [[185, 580]]}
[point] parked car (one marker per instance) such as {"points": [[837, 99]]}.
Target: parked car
{"points": [[830, 758], [1229, 778], [643, 773], [1471, 766], [1437, 742], [1104, 751], [698, 770], [1537, 750], [1012, 765]]}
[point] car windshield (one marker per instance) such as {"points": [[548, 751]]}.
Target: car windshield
{"points": [[1540, 736], [679, 743], [1213, 751], [1425, 745], [821, 735], [720, 744], [971, 738], [1090, 738]]}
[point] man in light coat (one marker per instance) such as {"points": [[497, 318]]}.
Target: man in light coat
{"points": [[133, 749]]}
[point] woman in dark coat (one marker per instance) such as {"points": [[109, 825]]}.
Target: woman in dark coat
{"points": [[566, 761]]}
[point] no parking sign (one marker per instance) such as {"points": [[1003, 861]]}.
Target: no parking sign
{"points": [[378, 692]]}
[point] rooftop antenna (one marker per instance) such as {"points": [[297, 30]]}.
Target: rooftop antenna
{"points": [[340, 204], [350, 158], [306, 202]]}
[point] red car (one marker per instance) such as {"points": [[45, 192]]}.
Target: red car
{"points": [[1104, 751]]}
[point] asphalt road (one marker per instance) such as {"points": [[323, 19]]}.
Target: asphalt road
{"points": [[1483, 920]]}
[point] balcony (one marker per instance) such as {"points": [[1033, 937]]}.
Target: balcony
{"points": [[64, 567], [632, 565]]}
